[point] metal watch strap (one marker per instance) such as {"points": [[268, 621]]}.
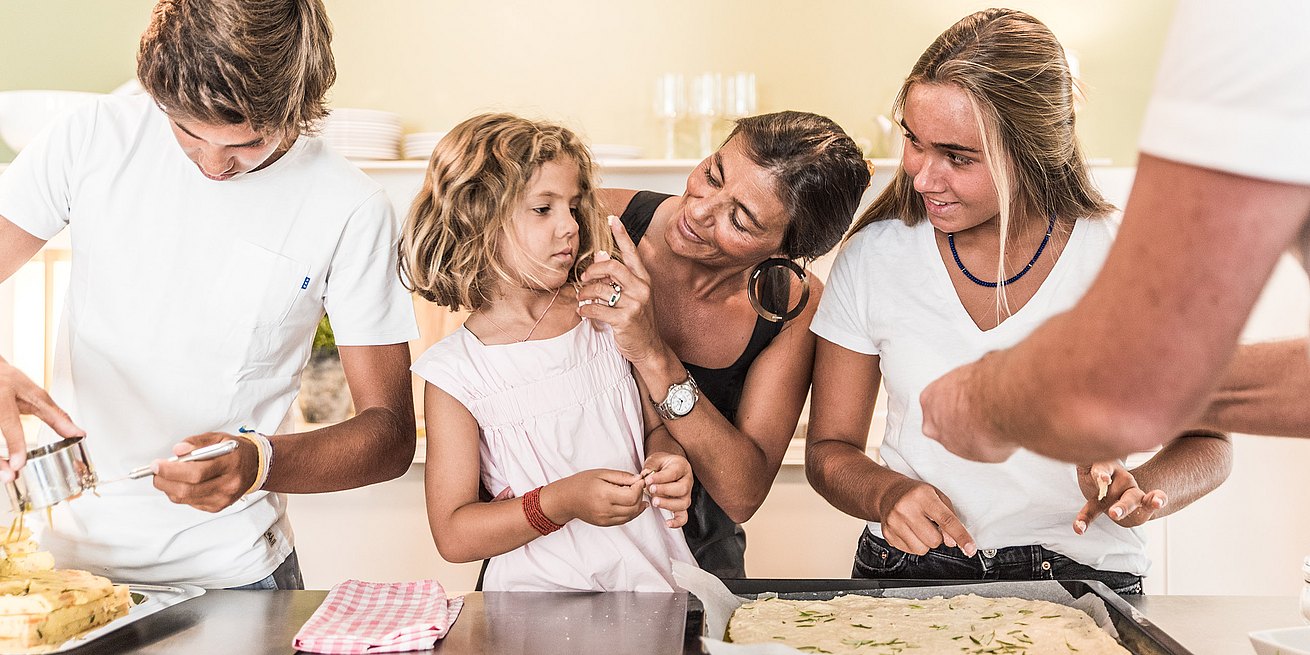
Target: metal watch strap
{"points": [[662, 408]]}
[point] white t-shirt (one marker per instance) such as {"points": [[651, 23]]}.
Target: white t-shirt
{"points": [[889, 294], [1233, 92], [191, 307]]}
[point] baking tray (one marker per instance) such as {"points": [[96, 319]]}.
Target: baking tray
{"points": [[1136, 633], [146, 600]]}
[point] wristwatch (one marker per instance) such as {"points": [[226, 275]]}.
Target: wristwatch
{"points": [[679, 401]]}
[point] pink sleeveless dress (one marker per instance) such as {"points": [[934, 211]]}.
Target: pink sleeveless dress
{"points": [[547, 409]]}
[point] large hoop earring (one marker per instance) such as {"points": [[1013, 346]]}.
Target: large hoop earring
{"points": [[753, 295]]}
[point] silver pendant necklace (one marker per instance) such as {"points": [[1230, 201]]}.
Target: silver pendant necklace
{"points": [[534, 325]]}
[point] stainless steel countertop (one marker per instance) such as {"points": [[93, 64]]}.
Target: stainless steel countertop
{"points": [[264, 622]]}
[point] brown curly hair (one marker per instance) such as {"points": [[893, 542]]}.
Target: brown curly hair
{"points": [[226, 62]]}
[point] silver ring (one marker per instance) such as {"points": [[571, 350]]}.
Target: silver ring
{"points": [[614, 297]]}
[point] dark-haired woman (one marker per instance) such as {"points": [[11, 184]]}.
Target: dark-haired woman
{"points": [[729, 374]]}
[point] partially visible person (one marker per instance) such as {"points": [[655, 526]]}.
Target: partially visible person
{"points": [[211, 232], [730, 379], [526, 398], [1221, 192], [990, 225]]}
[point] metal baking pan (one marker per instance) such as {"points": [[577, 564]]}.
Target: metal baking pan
{"points": [[1136, 633], [146, 600]]}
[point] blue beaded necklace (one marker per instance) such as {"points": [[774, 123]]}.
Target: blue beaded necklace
{"points": [[950, 239]]}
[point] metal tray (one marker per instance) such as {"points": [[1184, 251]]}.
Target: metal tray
{"points": [[1136, 633], [146, 600]]}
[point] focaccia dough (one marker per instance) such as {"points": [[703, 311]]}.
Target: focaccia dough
{"points": [[865, 625]]}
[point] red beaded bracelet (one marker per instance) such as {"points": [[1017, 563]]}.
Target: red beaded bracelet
{"points": [[537, 518]]}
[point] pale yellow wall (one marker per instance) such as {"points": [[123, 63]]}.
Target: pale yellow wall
{"points": [[591, 63]]}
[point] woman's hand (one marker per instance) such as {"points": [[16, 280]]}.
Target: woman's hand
{"points": [[916, 518], [628, 283], [669, 484], [1123, 501], [600, 497], [19, 395]]}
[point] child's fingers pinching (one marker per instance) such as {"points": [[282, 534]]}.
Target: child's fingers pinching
{"points": [[679, 519]]}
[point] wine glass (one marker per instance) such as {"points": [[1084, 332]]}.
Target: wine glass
{"points": [[705, 104], [739, 100], [670, 106]]}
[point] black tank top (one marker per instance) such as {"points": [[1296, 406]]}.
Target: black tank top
{"points": [[718, 544]]}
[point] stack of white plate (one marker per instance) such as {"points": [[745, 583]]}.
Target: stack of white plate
{"points": [[614, 151], [420, 145], [363, 133]]}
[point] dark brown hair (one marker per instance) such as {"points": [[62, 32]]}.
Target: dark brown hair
{"points": [[227, 62], [819, 171]]}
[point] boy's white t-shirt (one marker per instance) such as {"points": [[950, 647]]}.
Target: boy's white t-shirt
{"points": [[191, 307], [889, 294]]}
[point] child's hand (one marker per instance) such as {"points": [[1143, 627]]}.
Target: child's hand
{"points": [[669, 485], [600, 497]]}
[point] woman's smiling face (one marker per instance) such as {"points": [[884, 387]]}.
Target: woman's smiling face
{"points": [[730, 212], [944, 155]]}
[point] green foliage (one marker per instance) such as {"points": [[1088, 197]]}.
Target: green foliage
{"points": [[325, 342]]}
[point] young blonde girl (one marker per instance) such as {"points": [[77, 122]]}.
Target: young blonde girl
{"points": [[527, 398]]}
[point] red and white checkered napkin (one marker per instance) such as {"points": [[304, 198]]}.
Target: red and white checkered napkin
{"points": [[374, 617]]}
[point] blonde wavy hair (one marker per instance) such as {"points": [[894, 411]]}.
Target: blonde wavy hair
{"points": [[1017, 78], [268, 63], [451, 244]]}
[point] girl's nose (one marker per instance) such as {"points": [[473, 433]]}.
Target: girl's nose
{"points": [[928, 178]]}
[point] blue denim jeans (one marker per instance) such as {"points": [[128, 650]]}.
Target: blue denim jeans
{"points": [[285, 576], [876, 559]]}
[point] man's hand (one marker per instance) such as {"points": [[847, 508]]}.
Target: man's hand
{"points": [[1123, 501], [211, 485], [947, 420], [19, 395]]}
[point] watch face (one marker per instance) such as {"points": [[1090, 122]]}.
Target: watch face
{"points": [[680, 401]]}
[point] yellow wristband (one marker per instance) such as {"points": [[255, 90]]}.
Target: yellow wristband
{"points": [[264, 448]]}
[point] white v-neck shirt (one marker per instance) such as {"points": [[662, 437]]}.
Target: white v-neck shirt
{"points": [[191, 307], [889, 294]]}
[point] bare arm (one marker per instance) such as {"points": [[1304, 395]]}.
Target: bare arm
{"points": [[19, 247], [735, 463], [1187, 468], [375, 445], [915, 515], [1264, 391], [463, 528], [1140, 354], [738, 463], [466, 529], [19, 394]]}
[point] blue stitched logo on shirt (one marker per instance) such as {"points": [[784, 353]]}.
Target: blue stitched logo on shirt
{"points": [[305, 284]]}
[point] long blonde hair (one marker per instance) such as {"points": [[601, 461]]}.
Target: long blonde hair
{"points": [[1017, 79], [459, 221]]}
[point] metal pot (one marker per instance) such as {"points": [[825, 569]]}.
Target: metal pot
{"points": [[53, 473]]}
